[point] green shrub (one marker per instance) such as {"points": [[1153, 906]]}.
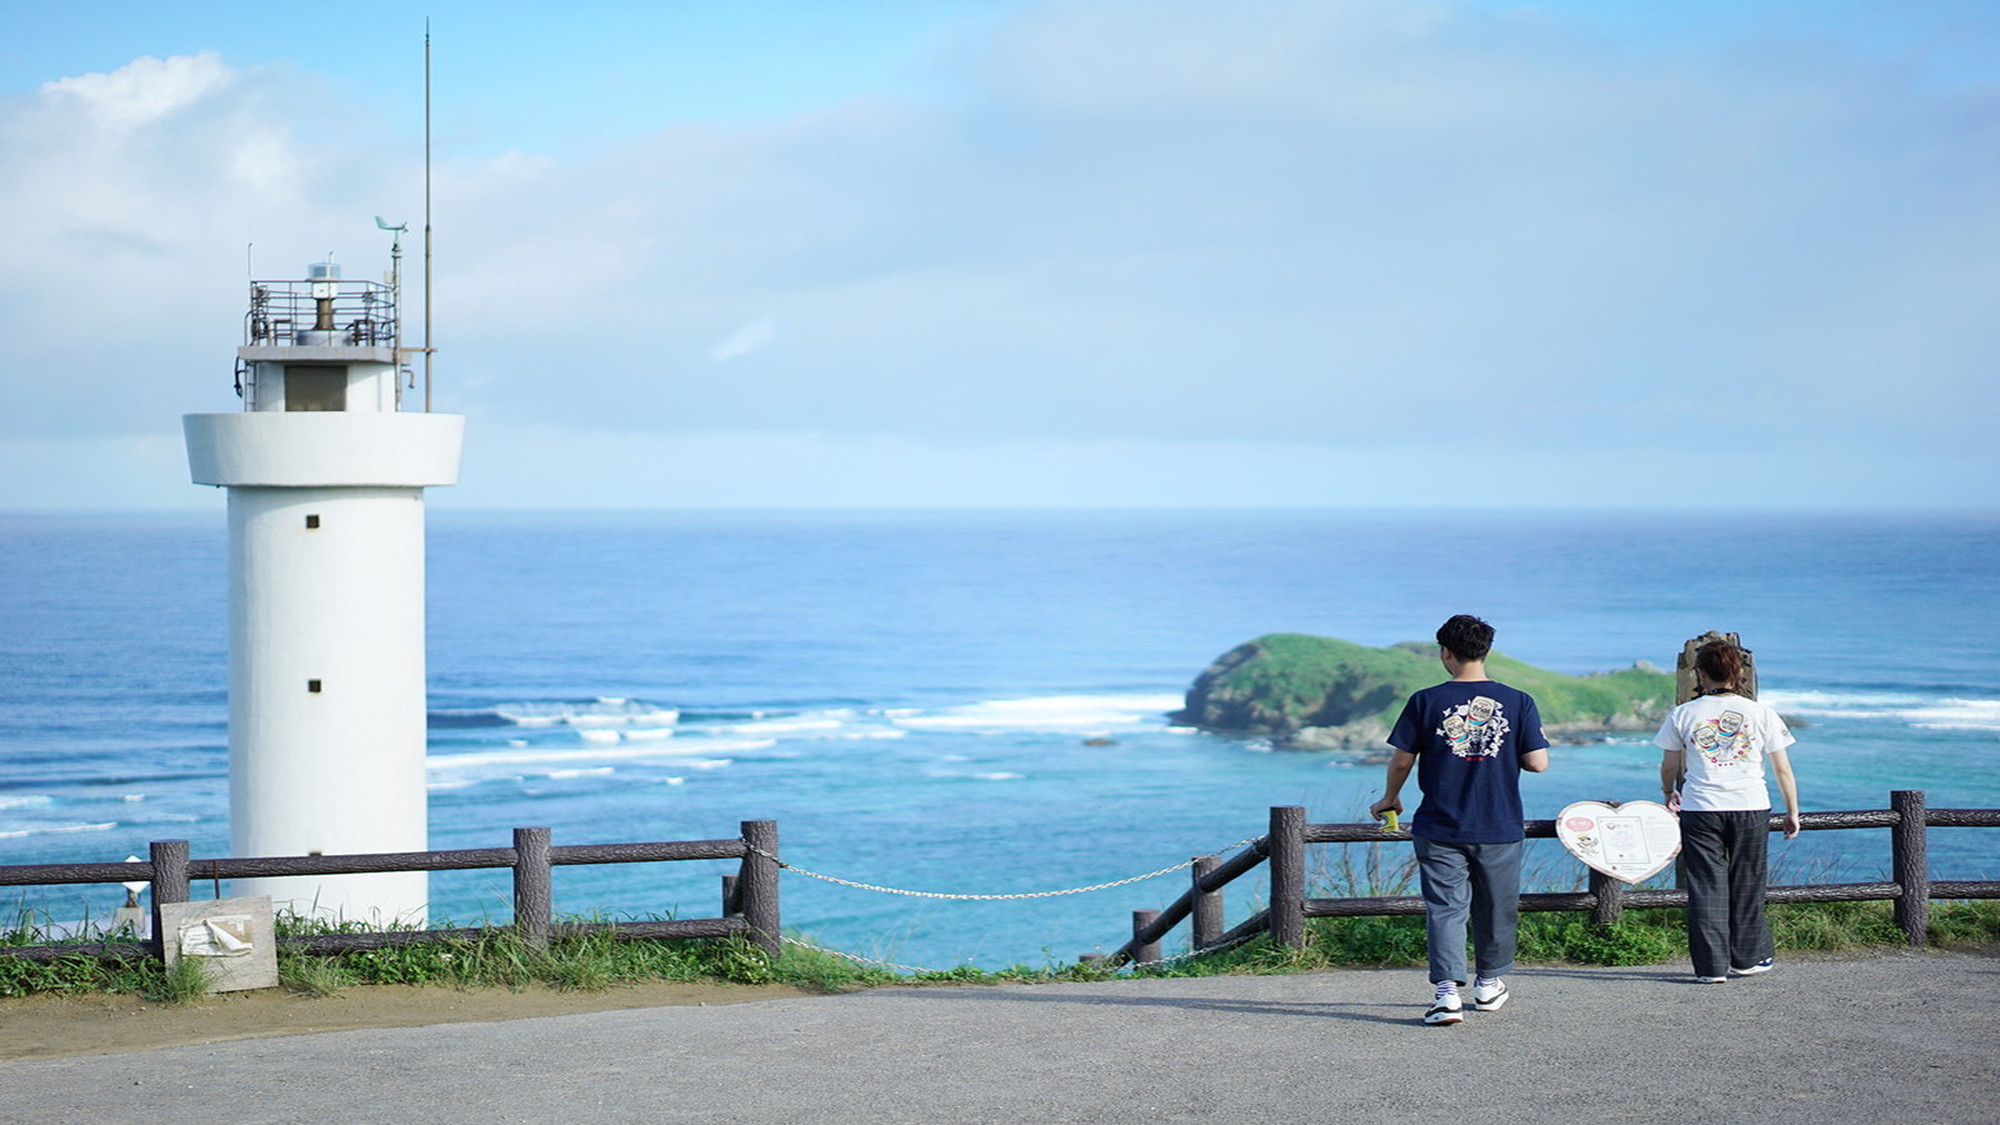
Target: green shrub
{"points": [[1626, 942]]}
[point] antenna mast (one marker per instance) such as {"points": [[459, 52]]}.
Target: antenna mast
{"points": [[427, 216]]}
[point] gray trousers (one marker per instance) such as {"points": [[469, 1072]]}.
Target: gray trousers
{"points": [[1476, 882], [1723, 861]]}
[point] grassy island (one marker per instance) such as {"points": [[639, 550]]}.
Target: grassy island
{"points": [[1323, 693]]}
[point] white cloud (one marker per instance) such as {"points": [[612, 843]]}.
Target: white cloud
{"points": [[135, 472], [139, 93], [754, 336], [1170, 232], [145, 194], [540, 466]]}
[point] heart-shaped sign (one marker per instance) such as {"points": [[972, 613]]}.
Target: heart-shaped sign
{"points": [[1629, 841]]}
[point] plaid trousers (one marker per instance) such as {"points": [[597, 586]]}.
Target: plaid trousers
{"points": [[1723, 860]]}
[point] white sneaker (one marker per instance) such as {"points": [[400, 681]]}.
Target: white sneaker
{"points": [[1488, 995], [1446, 1007], [1764, 966]]}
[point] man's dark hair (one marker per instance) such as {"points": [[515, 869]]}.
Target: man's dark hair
{"points": [[1466, 636]]}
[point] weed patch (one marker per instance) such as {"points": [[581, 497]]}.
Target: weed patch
{"points": [[596, 960]]}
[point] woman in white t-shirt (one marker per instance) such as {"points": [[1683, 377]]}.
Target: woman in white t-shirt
{"points": [[1715, 750]]}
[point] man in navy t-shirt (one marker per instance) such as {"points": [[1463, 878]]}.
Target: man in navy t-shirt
{"points": [[1468, 739]]}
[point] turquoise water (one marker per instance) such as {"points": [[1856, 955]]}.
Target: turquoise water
{"points": [[912, 695]]}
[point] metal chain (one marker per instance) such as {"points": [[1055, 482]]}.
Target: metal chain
{"points": [[988, 898], [858, 959], [1230, 944]]}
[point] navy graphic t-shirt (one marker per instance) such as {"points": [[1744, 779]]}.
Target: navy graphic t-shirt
{"points": [[1469, 739]]}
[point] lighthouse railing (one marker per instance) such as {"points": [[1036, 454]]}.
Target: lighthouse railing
{"points": [[287, 313]]}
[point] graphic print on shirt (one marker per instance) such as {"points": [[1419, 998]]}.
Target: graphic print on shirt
{"points": [[1724, 740], [1475, 729]]}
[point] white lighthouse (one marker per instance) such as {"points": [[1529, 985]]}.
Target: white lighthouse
{"points": [[326, 476]]}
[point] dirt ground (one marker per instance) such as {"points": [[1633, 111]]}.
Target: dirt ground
{"points": [[41, 1027]]}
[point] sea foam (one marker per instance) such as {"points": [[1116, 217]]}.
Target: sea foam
{"points": [[56, 830], [677, 750], [1923, 712], [604, 711], [1054, 713]]}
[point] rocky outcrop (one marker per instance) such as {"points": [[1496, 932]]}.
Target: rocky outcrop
{"points": [[1321, 693]]}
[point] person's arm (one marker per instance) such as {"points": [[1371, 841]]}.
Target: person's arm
{"points": [[1781, 768], [1399, 772], [1671, 763], [1537, 760]]}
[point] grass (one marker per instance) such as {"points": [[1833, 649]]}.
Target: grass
{"points": [[598, 961], [188, 980], [589, 962], [1641, 937]]}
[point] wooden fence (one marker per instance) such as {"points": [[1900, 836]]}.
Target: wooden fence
{"points": [[749, 897], [1907, 819]]}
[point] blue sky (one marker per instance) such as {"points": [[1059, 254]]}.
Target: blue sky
{"points": [[1091, 252]]}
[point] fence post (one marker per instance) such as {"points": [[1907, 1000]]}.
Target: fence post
{"points": [[532, 892], [1288, 876], [170, 884], [1909, 851], [757, 882], [731, 908], [1151, 950], [1608, 899], [1207, 904]]}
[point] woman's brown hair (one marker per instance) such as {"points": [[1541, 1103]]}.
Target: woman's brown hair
{"points": [[1722, 663]]}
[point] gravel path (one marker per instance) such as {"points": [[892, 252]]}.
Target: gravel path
{"points": [[1907, 1037]]}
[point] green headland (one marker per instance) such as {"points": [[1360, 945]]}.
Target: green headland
{"points": [[1322, 693]]}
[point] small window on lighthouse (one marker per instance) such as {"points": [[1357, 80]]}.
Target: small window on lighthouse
{"points": [[312, 686], [315, 388], [312, 522]]}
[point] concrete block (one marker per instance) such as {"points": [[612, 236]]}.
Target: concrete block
{"points": [[234, 937]]}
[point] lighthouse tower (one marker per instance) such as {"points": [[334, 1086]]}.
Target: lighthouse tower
{"points": [[326, 476]]}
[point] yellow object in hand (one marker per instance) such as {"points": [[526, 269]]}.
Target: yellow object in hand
{"points": [[1389, 821]]}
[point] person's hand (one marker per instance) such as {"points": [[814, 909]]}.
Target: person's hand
{"points": [[1674, 801], [1792, 824], [1386, 804]]}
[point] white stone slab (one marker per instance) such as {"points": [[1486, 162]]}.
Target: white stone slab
{"points": [[234, 937]]}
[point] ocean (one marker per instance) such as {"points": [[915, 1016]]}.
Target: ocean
{"points": [[974, 702]]}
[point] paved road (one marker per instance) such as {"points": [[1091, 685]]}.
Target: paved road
{"points": [[1909, 1037]]}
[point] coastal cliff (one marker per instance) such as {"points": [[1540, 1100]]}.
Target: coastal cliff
{"points": [[1321, 693]]}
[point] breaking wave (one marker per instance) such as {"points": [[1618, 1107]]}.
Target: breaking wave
{"points": [[1919, 711]]}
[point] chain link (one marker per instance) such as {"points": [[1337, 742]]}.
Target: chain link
{"points": [[920, 970], [1230, 944], [988, 898], [859, 959]]}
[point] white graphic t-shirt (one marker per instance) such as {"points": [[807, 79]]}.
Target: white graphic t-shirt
{"points": [[1723, 740]]}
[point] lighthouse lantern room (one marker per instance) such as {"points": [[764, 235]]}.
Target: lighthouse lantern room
{"points": [[326, 476]]}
